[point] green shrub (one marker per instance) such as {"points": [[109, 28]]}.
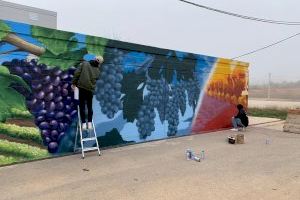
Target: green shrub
{"points": [[26, 133], [22, 150], [8, 160], [17, 113], [14, 113]]}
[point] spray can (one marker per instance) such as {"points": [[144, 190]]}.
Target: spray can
{"points": [[188, 154], [195, 158]]}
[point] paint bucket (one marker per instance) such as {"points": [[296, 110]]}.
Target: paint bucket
{"points": [[240, 139]]}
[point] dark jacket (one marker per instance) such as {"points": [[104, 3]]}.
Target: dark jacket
{"points": [[86, 75], [243, 117]]}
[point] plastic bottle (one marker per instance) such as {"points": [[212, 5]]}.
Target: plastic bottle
{"points": [[202, 155]]}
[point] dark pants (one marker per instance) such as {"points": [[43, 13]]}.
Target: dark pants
{"points": [[85, 98]]}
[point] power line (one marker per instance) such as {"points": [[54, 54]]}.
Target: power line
{"points": [[250, 18], [265, 47], [243, 16]]}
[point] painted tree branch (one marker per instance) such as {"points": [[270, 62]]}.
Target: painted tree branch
{"points": [[24, 45]]}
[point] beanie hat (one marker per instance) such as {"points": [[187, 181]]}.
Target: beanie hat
{"points": [[99, 59]]}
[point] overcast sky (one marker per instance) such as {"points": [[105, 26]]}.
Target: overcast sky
{"points": [[175, 25]]}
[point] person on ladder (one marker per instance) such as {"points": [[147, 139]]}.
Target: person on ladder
{"points": [[84, 79]]}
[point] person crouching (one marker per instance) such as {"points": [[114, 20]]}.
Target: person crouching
{"points": [[240, 121]]}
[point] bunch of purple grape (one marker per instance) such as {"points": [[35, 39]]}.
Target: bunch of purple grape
{"points": [[193, 90], [51, 100], [180, 96], [159, 95], [172, 115], [108, 90], [145, 121]]}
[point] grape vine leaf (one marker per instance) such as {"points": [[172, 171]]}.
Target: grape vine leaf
{"points": [[112, 138], [9, 98], [154, 67], [95, 45], [4, 72], [133, 98], [65, 60], [72, 44], [55, 41], [170, 64], [4, 29], [186, 67]]}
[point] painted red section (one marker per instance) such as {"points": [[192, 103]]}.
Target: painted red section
{"points": [[213, 114]]}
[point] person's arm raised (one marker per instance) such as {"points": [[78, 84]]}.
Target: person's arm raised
{"points": [[76, 76]]}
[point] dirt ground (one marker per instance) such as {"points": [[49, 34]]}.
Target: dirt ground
{"points": [[291, 93], [159, 170], [21, 122]]}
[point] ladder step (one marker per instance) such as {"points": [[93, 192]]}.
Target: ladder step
{"points": [[89, 139], [90, 148], [92, 136]]}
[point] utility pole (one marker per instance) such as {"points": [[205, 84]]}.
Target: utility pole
{"points": [[269, 87]]}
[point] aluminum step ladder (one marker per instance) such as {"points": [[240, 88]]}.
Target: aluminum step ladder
{"points": [[92, 136]]}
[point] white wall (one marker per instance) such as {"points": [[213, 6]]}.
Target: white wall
{"points": [[27, 14]]}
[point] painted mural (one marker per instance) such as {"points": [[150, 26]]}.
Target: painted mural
{"points": [[143, 93]]}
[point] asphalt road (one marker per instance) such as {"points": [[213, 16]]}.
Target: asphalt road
{"points": [[159, 170]]}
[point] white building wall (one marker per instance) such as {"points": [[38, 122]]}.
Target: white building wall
{"points": [[27, 14]]}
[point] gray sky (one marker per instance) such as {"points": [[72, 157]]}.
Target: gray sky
{"points": [[174, 25]]}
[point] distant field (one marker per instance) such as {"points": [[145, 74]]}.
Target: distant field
{"points": [[268, 112], [292, 94], [273, 104]]}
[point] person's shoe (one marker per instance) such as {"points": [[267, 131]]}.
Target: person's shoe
{"points": [[83, 126], [234, 129], [90, 125], [244, 129]]}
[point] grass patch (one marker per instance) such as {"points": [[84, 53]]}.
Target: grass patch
{"points": [[21, 151], [4, 160], [26, 133], [268, 112], [16, 113]]}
